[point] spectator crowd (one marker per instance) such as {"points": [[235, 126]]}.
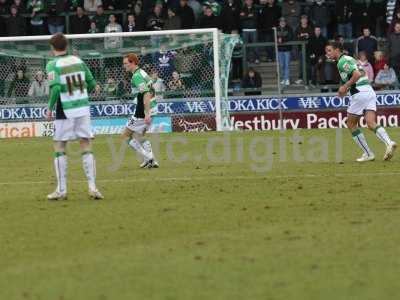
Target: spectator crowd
{"points": [[359, 24]]}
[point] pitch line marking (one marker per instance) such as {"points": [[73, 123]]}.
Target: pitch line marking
{"points": [[219, 178]]}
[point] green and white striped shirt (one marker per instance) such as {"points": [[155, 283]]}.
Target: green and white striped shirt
{"points": [[346, 66], [70, 75]]}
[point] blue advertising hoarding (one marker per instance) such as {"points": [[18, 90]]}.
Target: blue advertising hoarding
{"points": [[160, 124], [204, 106]]}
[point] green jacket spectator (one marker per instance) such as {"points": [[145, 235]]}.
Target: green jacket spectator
{"points": [[36, 7], [100, 18]]}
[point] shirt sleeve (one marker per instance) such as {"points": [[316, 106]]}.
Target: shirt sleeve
{"points": [[53, 78], [54, 96], [90, 81]]}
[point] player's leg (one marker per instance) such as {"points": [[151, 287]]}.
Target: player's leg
{"points": [[83, 131], [149, 149], [149, 161], [62, 134], [60, 167], [135, 143], [359, 138], [370, 118], [133, 134], [89, 166], [358, 104]]}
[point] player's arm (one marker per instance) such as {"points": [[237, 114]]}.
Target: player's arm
{"points": [[54, 89], [146, 101], [356, 75], [55, 92], [90, 81], [349, 68]]}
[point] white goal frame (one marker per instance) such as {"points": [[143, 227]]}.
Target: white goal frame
{"points": [[216, 54]]}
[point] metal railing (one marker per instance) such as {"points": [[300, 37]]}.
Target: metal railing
{"points": [[301, 44]]}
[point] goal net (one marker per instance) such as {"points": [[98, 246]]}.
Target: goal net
{"points": [[190, 72]]}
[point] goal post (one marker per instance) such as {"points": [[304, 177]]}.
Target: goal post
{"points": [[190, 69]]}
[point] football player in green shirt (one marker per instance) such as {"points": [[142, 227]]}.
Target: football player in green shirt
{"points": [[146, 107], [70, 80], [362, 102]]}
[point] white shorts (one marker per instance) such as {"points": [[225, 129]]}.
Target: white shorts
{"points": [[72, 129], [362, 101], [137, 125]]}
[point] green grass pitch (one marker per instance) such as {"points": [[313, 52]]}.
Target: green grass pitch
{"points": [[307, 225]]}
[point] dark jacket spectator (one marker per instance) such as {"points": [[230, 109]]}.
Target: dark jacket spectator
{"points": [[15, 24], [305, 30], [55, 22], [378, 14], [291, 11], [319, 16], [209, 20], [248, 24], [173, 22], [4, 10], [285, 34], [268, 15], [19, 87], [361, 13], [303, 33], [230, 15], [131, 25], [21, 7], [248, 16], [185, 12], [252, 80], [156, 20], [315, 52], [148, 6], [316, 46], [100, 18], [80, 23], [141, 18], [327, 72], [367, 43], [366, 13], [4, 7], [343, 11], [394, 49]]}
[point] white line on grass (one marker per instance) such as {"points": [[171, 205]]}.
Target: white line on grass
{"points": [[212, 178]]}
